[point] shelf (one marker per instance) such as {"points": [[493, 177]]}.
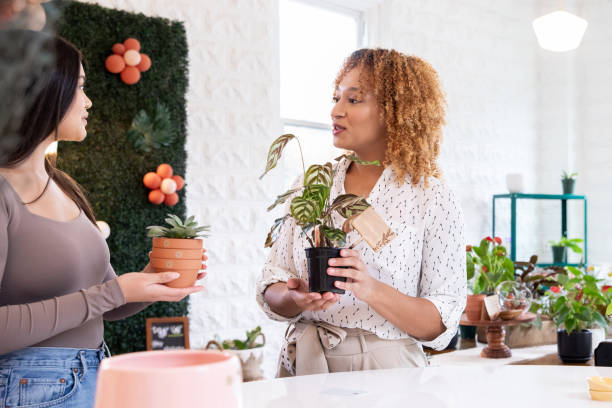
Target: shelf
{"points": [[541, 196], [545, 265], [563, 198]]}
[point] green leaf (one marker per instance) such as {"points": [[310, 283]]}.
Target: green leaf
{"points": [[319, 174], [574, 271], [469, 260], [336, 236], [274, 231], [562, 279], [276, 150], [148, 132], [304, 210], [348, 205], [283, 197], [354, 158], [570, 324], [599, 319], [609, 309], [318, 193]]}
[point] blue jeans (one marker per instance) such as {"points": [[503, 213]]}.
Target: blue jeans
{"points": [[37, 377]]}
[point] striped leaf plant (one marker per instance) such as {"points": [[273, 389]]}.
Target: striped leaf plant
{"points": [[310, 204]]}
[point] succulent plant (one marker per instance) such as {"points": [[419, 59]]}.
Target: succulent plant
{"points": [[312, 210], [188, 229]]}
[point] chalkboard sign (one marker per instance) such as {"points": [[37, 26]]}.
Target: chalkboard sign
{"points": [[167, 333]]}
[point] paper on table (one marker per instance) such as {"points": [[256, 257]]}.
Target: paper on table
{"points": [[372, 228]]}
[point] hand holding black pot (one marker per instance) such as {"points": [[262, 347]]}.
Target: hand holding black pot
{"points": [[305, 300], [358, 279]]}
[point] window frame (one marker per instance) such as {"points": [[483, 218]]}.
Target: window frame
{"points": [[359, 18]]}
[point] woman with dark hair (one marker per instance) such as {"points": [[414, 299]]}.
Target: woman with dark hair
{"points": [[56, 281], [389, 107]]}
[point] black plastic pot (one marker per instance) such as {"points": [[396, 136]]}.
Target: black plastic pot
{"points": [[568, 185], [467, 332], [575, 347], [559, 254], [318, 279]]}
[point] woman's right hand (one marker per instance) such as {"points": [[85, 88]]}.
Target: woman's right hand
{"points": [[149, 287], [313, 301]]}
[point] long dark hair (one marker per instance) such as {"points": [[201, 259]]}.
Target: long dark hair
{"points": [[48, 93]]}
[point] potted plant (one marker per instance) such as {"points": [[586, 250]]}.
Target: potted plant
{"points": [[312, 210], [490, 266], [568, 180], [559, 248], [249, 351], [178, 248], [576, 305]]}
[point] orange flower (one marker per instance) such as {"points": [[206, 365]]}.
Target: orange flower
{"points": [[468, 248]]}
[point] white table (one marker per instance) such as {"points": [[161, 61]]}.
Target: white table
{"points": [[432, 387]]}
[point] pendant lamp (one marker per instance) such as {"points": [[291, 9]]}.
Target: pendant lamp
{"points": [[559, 31]]}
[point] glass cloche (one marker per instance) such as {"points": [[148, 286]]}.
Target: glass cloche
{"points": [[514, 299]]}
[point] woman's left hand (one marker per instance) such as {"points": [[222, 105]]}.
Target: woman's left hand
{"points": [[358, 280]]}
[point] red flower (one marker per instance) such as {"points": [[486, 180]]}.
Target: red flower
{"points": [[580, 294], [484, 268], [468, 248], [555, 289], [489, 239], [605, 288], [498, 240]]}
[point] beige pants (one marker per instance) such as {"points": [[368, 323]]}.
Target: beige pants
{"points": [[341, 349]]}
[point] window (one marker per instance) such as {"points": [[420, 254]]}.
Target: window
{"points": [[315, 38]]}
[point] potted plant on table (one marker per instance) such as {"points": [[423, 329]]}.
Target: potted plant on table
{"points": [[178, 248], [568, 181], [576, 305], [312, 210], [490, 266], [559, 248], [249, 351]]}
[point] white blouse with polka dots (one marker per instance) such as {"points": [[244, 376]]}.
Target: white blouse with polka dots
{"points": [[426, 259]]}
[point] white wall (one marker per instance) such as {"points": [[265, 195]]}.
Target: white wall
{"points": [[485, 54]]}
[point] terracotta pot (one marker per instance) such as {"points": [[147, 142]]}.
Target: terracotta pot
{"points": [[473, 306], [178, 255], [195, 243]]}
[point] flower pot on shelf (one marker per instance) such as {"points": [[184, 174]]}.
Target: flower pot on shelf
{"points": [[568, 186], [559, 254], [575, 347], [473, 306], [318, 262]]}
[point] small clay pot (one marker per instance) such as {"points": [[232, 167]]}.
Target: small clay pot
{"points": [[178, 255], [473, 307]]}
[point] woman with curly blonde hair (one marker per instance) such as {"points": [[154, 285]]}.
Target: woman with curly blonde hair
{"points": [[387, 107]]}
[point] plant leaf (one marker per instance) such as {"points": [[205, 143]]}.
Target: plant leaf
{"points": [[283, 197], [318, 193], [353, 157], [276, 150], [319, 174], [304, 210], [335, 235], [273, 234], [349, 205]]}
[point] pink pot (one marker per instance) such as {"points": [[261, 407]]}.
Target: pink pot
{"points": [[175, 378]]}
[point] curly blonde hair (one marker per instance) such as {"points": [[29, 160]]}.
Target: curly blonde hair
{"points": [[412, 105]]}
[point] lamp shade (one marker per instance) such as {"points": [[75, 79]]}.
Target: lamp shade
{"points": [[559, 31]]}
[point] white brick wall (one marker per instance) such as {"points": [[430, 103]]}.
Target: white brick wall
{"points": [[507, 105], [485, 55]]}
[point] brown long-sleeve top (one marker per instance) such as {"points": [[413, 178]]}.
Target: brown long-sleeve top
{"points": [[56, 281]]}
